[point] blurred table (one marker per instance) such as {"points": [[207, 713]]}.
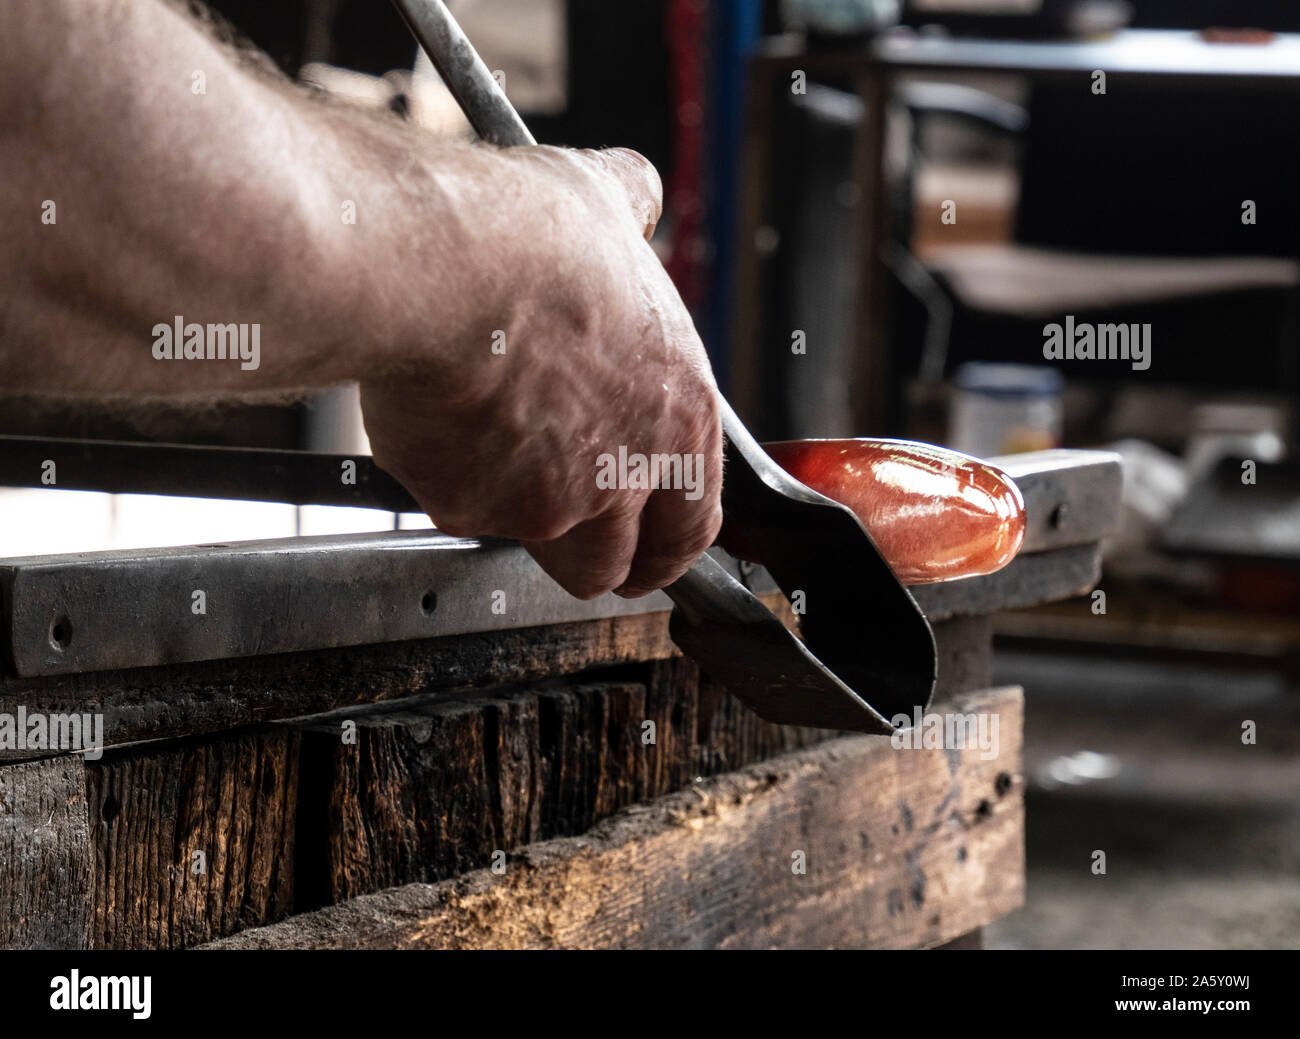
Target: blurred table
{"points": [[1176, 56], [1142, 52]]}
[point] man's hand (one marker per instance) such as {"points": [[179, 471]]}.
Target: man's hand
{"points": [[588, 350], [150, 174]]}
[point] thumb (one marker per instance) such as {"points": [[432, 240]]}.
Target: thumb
{"points": [[640, 180]]}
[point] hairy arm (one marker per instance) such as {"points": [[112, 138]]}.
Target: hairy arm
{"points": [[224, 205], [185, 183]]}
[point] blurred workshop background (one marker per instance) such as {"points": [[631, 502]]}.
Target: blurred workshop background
{"points": [[874, 208]]}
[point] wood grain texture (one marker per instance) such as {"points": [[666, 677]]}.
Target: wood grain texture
{"points": [[903, 848], [427, 791], [434, 788], [291, 817], [153, 810], [45, 860], [190, 699]]}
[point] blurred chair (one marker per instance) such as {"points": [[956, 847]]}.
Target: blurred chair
{"points": [[1130, 211]]}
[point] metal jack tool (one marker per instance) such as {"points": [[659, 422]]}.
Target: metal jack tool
{"points": [[867, 652]]}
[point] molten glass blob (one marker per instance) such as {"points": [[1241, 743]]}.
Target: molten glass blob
{"points": [[935, 515]]}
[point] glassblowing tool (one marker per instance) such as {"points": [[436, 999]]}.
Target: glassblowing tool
{"points": [[867, 653]]}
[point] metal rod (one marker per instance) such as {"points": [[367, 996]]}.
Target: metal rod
{"points": [[199, 471], [474, 87]]}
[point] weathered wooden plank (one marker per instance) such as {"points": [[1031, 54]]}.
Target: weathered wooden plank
{"points": [[673, 705], [436, 788], [902, 848], [45, 860], [291, 817], [515, 763], [190, 699], [427, 791], [731, 736], [191, 841]]}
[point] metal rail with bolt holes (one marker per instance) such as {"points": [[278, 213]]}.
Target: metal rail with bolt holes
{"points": [[95, 611]]}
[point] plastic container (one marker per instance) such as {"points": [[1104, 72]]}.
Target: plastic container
{"points": [[842, 18], [1005, 409]]}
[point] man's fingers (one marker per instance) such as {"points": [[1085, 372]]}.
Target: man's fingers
{"points": [[674, 531], [645, 191], [592, 558]]}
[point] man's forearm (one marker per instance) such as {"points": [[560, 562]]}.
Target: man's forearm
{"points": [[157, 195], [155, 185]]}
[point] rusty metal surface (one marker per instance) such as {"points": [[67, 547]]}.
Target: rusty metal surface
{"points": [[1027, 580]]}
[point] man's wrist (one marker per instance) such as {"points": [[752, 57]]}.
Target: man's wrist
{"points": [[400, 236]]}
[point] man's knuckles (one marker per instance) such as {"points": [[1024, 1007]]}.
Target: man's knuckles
{"points": [[668, 549]]}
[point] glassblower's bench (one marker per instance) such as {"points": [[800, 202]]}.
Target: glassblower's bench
{"points": [[409, 740]]}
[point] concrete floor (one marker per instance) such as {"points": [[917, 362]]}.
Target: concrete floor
{"points": [[1145, 762], [1176, 878]]}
